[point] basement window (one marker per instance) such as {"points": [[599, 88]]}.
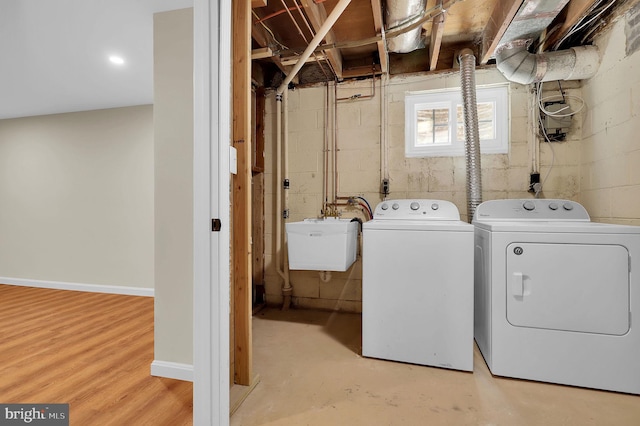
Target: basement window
{"points": [[434, 122]]}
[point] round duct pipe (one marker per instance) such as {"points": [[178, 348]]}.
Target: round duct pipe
{"points": [[398, 12], [518, 65]]}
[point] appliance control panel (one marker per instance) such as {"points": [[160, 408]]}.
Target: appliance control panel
{"points": [[417, 209], [531, 209]]}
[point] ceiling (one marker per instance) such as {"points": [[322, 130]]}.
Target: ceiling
{"points": [[354, 47], [55, 54]]}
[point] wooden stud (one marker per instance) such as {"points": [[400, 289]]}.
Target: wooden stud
{"points": [[242, 190]]}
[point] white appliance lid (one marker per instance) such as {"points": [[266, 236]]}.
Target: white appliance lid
{"points": [[416, 209], [531, 210]]}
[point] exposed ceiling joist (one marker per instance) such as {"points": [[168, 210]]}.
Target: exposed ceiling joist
{"points": [[260, 36], [378, 24], [437, 30], [258, 3], [501, 17], [574, 11], [317, 16]]}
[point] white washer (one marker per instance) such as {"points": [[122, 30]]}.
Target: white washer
{"points": [[417, 284], [555, 294]]}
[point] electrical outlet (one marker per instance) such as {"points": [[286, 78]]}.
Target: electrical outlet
{"points": [[534, 178]]}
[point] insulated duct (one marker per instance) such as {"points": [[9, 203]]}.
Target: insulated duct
{"points": [[518, 65], [397, 13], [472, 135]]}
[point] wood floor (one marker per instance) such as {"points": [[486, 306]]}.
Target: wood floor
{"points": [[90, 350]]}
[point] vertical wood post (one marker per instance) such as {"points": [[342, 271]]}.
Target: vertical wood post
{"points": [[242, 190]]}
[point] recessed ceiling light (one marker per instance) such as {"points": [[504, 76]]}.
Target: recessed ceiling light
{"points": [[116, 60]]}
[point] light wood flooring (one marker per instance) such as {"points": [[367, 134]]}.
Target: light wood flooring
{"points": [[90, 350]]}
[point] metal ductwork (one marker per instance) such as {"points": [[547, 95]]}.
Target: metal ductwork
{"points": [[397, 13], [472, 135], [520, 66]]}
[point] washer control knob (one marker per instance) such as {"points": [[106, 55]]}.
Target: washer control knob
{"points": [[435, 206], [553, 206], [415, 205], [395, 206], [528, 205], [568, 206], [384, 206]]}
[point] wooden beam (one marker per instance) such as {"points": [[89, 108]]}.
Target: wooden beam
{"points": [[263, 52], [574, 10], [437, 29], [362, 71], [378, 25], [258, 3], [502, 15], [261, 37], [317, 15], [241, 207]]}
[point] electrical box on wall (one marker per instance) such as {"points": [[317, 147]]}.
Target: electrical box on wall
{"points": [[556, 120]]}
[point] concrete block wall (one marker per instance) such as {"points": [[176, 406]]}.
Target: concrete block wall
{"points": [[610, 149], [361, 130]]}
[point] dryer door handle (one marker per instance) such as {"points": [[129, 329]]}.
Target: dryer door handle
{"points": [[517, 284]]}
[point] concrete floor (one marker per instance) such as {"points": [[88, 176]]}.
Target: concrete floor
{"points": [[312, 373]]}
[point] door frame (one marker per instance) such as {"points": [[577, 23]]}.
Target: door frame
{"points": [[212, 133]]}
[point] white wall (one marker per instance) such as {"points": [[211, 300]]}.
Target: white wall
{"points": [[359, 172], [173, 124], [76, 194], [610, 150]]}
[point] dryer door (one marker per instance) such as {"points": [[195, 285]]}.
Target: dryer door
{"points": [[570, 287]]}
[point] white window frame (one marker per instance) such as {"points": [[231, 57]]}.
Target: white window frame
{"points": [[415, 101]]}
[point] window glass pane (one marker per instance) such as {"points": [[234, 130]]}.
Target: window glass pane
{"points": [[486, 125], [432, 126]]}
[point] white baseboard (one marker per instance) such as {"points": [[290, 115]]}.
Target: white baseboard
{"points": [[92, 288], [172, 370]]}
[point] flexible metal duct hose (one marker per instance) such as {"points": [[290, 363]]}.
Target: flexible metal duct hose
{"points": [[472, 137]]}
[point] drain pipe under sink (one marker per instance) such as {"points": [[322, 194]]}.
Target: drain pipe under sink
{"points": [[282, 142]]}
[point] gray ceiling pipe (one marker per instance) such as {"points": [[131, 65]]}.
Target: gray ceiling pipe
{"points": [[397, 13], [518, 65]]}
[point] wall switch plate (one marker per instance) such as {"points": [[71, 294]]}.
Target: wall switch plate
{"points": [[233, 160]]}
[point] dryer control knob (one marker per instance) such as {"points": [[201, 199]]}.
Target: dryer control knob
{"points": [[415, 205], [395, 206], [435, 206], [553, 206], [385, 206], [528, 205], [568, 206]]}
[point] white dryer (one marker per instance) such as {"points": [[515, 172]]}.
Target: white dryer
{"points": [[417, 284], [556, 294]]}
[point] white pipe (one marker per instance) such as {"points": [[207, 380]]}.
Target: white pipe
{"points": [[518, 65], [287, 289], [324, 29], [278, 206]]}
